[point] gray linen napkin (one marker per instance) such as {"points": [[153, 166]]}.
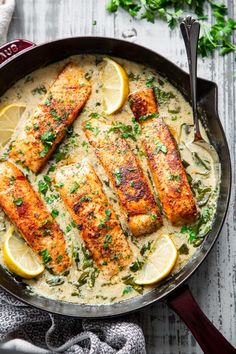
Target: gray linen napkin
{"points": [[30, 330], [6, 10], [34, 331]]}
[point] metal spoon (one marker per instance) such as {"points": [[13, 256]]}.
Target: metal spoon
{"points": [[190, 29]]}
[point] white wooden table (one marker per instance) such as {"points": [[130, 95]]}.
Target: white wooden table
{"points": [[214, 284]]}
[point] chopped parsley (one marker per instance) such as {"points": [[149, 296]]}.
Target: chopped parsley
{"points": [[107, 241], [133, 77], [153, 216], [47, 139], [42, 187], [137, 265], [74, 187], [128, 289], [85, 198], [94, 115], [183, 249], [174, 178], [54, 213], [103, 222], [12, 180], [59, 259], [18, 201], [162, 96], [160, 147], [149, 82], [45, 255], [118, 176], [126, 131], [40, 90], [82, 279], [146, 247], [95, 130], [148, 116], [197, 231], [129, 280]]}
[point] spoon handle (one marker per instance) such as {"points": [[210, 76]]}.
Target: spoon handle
{"points": [[190, 29]]}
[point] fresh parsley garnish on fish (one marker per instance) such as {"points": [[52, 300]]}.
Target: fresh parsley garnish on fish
{"points": [[118, 176], [126, 130], [216, 36], [148, 116], [45, 255], [47, 139]]}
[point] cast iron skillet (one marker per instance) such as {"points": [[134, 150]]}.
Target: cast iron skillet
{"points": [[17, 59]]}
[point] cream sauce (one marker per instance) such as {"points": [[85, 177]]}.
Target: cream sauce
{"points": [[177, 114]]}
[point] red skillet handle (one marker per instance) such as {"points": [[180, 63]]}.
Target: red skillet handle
{"points": [[10, 49], [207, 336]]}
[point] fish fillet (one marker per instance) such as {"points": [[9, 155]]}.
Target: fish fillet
{"points": [[82, 193], [27, 212], [164, 160], [127, 177], [46, 128]]}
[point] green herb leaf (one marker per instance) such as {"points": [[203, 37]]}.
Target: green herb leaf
{"points": [[129, 280], [107, 241], [45, 255], [146, 247], [118, 176], [54, 213], [137, 265], [74, 187], [18, 201], [183, 249], [40, 90], [148, 116], [128, 289], [42, 187]]}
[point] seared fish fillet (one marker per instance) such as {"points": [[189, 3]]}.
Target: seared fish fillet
{"points": [[27, 212], [47, 126], [82, 193], [164, 160], [126, 176]]}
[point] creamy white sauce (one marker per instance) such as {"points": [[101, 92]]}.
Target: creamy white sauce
{"points": [[175, 111]]}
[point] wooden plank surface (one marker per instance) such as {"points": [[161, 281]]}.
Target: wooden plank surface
{"points": [[214, 284]]}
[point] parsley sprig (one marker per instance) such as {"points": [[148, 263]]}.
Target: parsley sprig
{"points": [[217, 36]]}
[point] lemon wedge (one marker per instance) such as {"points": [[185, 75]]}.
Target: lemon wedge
{"points": [[9, 118], [19, 258], [159, 263], [115, 86]]}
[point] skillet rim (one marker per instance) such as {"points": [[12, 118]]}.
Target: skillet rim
{"points": [[42, 302]]}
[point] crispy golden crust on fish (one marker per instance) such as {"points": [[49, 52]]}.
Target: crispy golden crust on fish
{"points": [[88, 206], [126, 176], [164, 161], [27, 212], [46, 128], [143, 102]]}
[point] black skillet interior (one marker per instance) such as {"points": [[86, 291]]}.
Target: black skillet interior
{"points": [[50, 52]]}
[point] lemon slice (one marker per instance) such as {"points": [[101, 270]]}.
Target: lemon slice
{"points": [[115, 86], [19, 258], [9, 118], [159, 263]]}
